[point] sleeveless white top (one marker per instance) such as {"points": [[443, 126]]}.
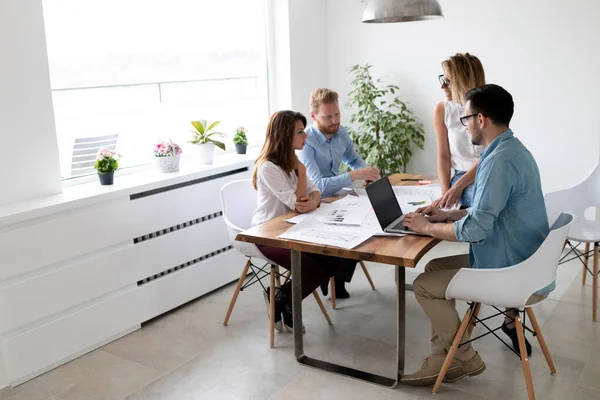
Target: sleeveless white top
{"points": [[463, 154]]}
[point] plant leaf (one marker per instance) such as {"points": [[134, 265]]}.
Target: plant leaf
{"points": [[199, 125], [220, 145], [212, 125]]}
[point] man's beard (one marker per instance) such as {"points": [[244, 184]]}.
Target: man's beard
{"points": [[329, 129], [476, 138]]}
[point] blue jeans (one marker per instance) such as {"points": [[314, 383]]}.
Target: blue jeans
{"points": [[466, 200]]}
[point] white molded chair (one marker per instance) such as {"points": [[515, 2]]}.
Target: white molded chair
{"points": [[576, 200], [238, 200], [510, 287]]}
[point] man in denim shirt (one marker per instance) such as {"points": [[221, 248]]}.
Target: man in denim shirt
{"points": [[327, 145], [505, 225]]}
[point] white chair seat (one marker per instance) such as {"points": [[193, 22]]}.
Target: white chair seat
{"points": [[585, 231]]}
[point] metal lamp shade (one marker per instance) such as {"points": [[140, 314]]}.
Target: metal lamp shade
{"points": [[382, 11]]}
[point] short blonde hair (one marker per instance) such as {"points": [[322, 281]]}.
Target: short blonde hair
{"points": [[466, 73], [322, 96]]}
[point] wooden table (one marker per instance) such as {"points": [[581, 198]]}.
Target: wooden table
{"points": [[402, 252]]}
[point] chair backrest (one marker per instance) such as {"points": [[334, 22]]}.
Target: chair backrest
{"points": [[576, 199], [238, 201], [85, 151], [512, 286]]}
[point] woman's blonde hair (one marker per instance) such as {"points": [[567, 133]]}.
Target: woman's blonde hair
{"points": [[278, 147], [465, 72]]}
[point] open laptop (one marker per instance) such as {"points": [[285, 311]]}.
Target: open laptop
{"points": [[386, 207]]}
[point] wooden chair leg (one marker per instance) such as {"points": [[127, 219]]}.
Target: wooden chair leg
{"points": [[364, 268], [585, 263], [236, 292], [524, 358], [277, 275], [322, 307], [472, 324], [332, 284], [595, 283], [272, 308], [541, 340], [461, 331]]}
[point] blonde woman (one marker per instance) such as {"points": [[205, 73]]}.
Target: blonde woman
{"points": [[282, 185], [462, 72]]}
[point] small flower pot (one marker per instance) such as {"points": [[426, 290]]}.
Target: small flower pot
{"points": [[240, 148], [168, 164], [106, 178], [207, 151]]}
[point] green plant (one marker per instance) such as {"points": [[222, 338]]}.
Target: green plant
{"points": [[203, 134], [240, 136], [107, 161], [386, 129]]}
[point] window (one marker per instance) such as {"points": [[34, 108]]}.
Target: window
{"points": [[143, 69]]}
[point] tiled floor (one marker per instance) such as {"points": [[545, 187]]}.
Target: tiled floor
{"points": [[189, 354]]}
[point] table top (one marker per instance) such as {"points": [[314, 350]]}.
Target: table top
{"points": [[403, 251]]}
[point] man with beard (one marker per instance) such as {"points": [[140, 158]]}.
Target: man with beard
{"points": [[327, 146], [505, 225]]}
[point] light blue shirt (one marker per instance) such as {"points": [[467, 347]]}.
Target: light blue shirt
{"points": [[323, 159], [507, 222]]}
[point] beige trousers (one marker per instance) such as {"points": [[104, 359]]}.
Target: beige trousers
{"points": [[430, 291]]}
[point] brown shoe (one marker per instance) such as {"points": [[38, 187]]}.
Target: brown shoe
{"points": [[430, 370], [472, 367]]}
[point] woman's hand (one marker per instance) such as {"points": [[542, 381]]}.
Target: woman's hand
{"points": [[450, 198], [306, 205]]}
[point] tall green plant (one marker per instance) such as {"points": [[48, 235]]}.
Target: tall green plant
{"points": [[385, 130]]}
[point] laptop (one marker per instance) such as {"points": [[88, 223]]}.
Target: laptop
{"points": [[386, 207]]}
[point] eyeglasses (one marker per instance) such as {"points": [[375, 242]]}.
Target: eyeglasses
{"points": [[463, 120], [444, 81]]}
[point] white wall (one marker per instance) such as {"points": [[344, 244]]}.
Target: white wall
{"points": [[544, 52], [297, 46], [308, 38], [30, 166]]}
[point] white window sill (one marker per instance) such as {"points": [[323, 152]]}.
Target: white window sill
{"points": [[89, 191]]}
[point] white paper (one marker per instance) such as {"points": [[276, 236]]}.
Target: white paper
{"points": [[371, 222], [433, 191], [350, 210], [314, 231], [320, 213]]}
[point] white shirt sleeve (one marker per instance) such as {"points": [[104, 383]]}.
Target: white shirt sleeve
{"points": [[274, 181]]}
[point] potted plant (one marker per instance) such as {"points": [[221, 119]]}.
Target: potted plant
{"points": [[386, 130], [106, 164], [203, 137], [240, 140], [167, 156]]}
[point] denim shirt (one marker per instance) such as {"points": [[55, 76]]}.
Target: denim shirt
{"points": [[507, 222], [323, 159]]}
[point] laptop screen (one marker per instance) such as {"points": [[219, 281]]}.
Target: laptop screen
{"points": [[384, 201]]}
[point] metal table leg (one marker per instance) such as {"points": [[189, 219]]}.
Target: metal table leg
{"points": [[340, 369]]}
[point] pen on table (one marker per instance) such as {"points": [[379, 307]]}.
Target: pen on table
{"points": [[411, 179], [417, 203]]}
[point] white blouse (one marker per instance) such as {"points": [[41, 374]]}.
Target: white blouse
{"points": [[463, 154], [276, 192]]}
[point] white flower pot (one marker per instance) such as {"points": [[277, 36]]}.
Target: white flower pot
{"points": [[207, 152], [168, 164]]}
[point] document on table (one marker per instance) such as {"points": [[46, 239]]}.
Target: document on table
{"points": [[313, 231], [349, 210], [432, 192]]}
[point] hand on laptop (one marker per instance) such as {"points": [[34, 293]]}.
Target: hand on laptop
{"points": [[433, 214], [417, 222]]}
